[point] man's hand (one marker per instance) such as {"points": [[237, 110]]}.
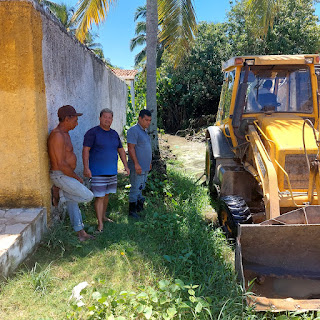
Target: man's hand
{"points": [[138, 168], [87, 173], [79, 179], [127, 171]]}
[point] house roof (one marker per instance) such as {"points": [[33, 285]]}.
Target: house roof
{"points": [[125, 74]]}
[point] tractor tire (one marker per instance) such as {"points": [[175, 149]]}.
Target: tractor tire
{"points": [[233, 211], [210, 169]]}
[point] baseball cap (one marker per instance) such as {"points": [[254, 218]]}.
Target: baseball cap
{"points": [[68, 110]]}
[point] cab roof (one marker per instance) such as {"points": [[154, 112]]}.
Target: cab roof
{"points": [[271, 60]]}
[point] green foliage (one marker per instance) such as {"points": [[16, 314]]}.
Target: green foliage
{"points": [[295, 30], [130, 113], [140, 91], [140, 101], [60, 239], [193, 88], [169, 300], [41, 279], [157, 185]]}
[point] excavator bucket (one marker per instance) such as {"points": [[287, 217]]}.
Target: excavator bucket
{"points": [[278, 261]]}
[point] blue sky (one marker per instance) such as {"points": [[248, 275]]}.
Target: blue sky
{"points": [[115, 33]]}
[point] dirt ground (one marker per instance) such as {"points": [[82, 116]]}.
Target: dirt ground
{"points": [[191, 154]]}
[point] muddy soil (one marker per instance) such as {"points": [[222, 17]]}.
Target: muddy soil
{"points": [[190, 154]]}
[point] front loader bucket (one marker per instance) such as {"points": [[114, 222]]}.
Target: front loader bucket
{"points": [[278, 261]]}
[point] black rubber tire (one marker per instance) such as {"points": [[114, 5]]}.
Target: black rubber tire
{"points": [[210, 168], [233, 211]]}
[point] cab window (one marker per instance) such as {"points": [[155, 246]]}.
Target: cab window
{"points": [[279, 89], [226, 95]]}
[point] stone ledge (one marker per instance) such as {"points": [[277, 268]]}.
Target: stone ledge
{"points": [[20, 231]]}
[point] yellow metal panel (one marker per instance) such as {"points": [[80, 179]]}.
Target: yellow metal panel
{"points": [[314, 84], [270, 60], [23, 161], [286, 132], [267, 174]]}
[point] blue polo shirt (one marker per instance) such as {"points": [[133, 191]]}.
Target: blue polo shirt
{"points": [[140, 138], [103, 155]]}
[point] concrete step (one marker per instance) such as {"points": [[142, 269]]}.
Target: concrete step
{"points": [[21, 229]]}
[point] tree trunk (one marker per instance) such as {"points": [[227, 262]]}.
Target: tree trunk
{"points": [[152, 33]]}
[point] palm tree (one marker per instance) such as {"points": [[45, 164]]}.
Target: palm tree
{"points": [[152, 38], [62, 12], [141, 38], [140, 31], [178, 20], [262, 14], [95, 47]]}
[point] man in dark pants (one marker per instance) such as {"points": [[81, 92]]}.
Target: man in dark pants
{"points": [[140, 156]]}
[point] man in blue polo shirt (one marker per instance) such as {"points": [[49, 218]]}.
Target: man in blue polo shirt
{"points": [[140, 156], [101, 146]]}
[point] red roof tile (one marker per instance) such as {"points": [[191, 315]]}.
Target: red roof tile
{"points": [[125, 74]]}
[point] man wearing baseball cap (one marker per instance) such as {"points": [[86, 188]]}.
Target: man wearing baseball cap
{"points": [[63, 163]]}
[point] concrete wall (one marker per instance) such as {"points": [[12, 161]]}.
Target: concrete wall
{"points": [[43, 68], [23, 116], [73, 75]]}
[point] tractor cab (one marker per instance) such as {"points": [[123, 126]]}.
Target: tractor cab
{"points": [[267, 84]]}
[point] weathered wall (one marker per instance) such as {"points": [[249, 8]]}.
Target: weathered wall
{"points": [[43, 68], [73, 75], [23, 116]]}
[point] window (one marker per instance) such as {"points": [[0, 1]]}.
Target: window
{"points": [[226, 95], [278, 88]]}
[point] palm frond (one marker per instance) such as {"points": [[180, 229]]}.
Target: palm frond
{"points": [[262, 14], [141, 27], [140, 57], [88, 12], [61, 11], [98, 52], [137, 41], [141, 12], [178, 26]]}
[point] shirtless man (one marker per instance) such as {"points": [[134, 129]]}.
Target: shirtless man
{"points": [[63, 163]]}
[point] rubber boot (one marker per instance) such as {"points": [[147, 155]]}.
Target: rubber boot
{"points": [[140, 203], [133, 210]]}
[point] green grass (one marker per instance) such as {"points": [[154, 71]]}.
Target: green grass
{"points": [[170, 265]]}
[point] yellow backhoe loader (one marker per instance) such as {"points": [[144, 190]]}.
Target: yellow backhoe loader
{"points": [[262, 162]]}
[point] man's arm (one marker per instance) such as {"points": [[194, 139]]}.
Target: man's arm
{"points": [[123, 158], [133, 156], [85, 159], [57, 154]]}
